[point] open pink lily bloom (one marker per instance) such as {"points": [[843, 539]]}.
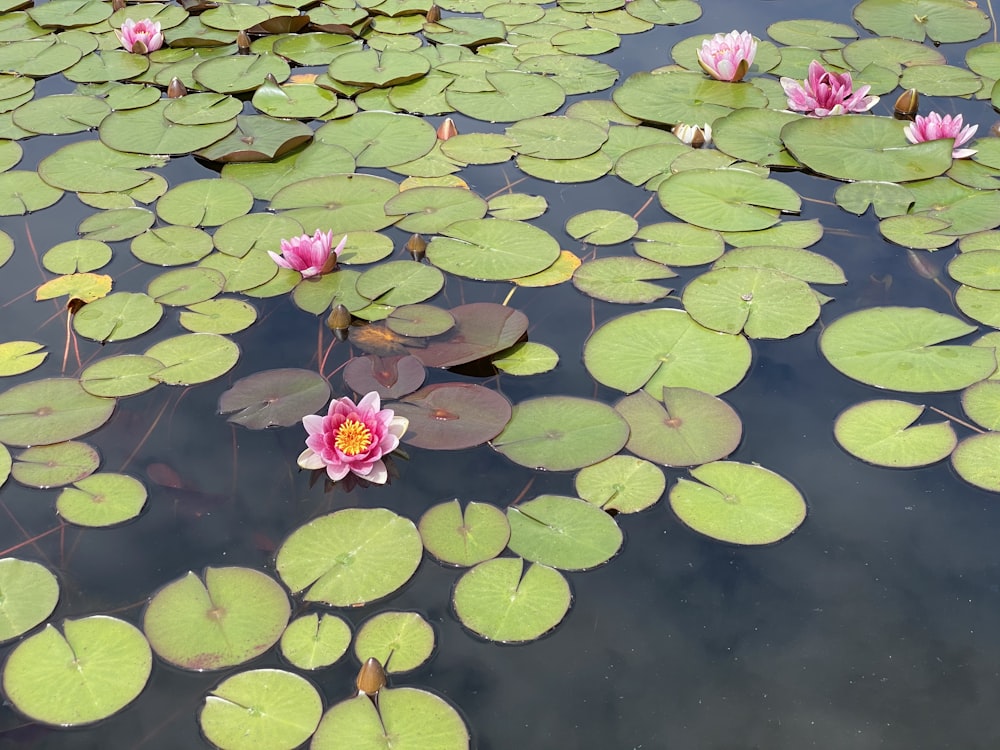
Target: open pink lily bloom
{"points": [[728, 57], [352, 438], [934, 127], [310, 256], [826, 93], [140, 36]]}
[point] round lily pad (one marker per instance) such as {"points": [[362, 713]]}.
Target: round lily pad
{"points": [[556, 137], [526, 358], [380, 139], [315, 641], [23, 192], [350, 557], [941, 20], [623, 484], [94, 668], [401, 641], [204, 203], [77, 256], [399, 282], [193, 358], [974, 459], [93, 167], [171, 246], [464, 538], [563, 532], [220, 316], [17, 357], [493, 249], [559, 433], [262, 708], [622, 279], [882, 433], [657, 348], [119, 316], [432, 209], [50, 411], [450, 416], [30, 593], [274, 398], [147, 131], [738, 503], [122, 375], [674, 243], [390, 377], [900, 348], [500, 600], [980, 269], [45, 466], [186, 286], [481, 329], [102, 499], [415, 719], [675, 96], [513, 96], [235, 615]]}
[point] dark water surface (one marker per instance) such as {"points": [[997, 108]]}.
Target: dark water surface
{"points": [[874, 626]]}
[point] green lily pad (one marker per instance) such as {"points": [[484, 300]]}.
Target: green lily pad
{"points": [[206, 203], [514, 96], [738, 503], [234, 616], [49, 411], [30, 593], [556, 137], [811, 32], [262, 708], [886, 198], [783, 234], [274, 398], [315, 641], [602, 227], [119, 224], [430, 210], [119, 316], [44, 466], [77, 256], [350, 557], [897, 348], [185, 286], [979, 269], [657, 348], [558, 433], [257, 138], [758, 301], [148, 131], [399, 282], [466, 538], [526, 358], [480, 148], [669, 97], [122, 375], [241, 274], [5, 464], [102, 499], [941, 20], [61, 114], [563, 532], [379, 69], [18, 357], [239, 73], [380, 139], [350, 202], [974, 460], [940, 80], [727, 199], [981, 403], [264, 179], [416, 719], [676, 244], [6, 247], [882, 433], [501, 601], [621, 484], [754, 135], [493, 249], [193, 358], [920, 232], [810, 267], [685, 427], [622, 279], [220, 316], [23, 192], [96, 667], [979, 304], [864, 148], [401, 641], [451, 416]]}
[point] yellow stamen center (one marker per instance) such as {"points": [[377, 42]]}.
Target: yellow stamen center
{"points": [[353, 438]]}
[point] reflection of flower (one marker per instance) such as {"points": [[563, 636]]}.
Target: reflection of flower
{"points": [[310, 256], [352, 438], [934, 127], [693, 135], [826, 93], [727, 57], [140, 36]]}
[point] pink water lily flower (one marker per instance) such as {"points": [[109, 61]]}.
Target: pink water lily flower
{"points": [[310, 256], [934, 127], [140, 36], [728, 57], [826, 93], [352, 439]]}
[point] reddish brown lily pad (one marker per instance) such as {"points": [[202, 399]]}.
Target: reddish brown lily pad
{"points": [[389, 377], [274, 398], [481, 329], [449, 416]]}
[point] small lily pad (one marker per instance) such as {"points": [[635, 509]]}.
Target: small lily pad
{"points": [[315, 641], [18, 357], [45, 466], [882, 433], [231, 617], [401, 641], [30, 593], [466, 538], [526, 358], [624, 484], [738, 503], [102, 499]]}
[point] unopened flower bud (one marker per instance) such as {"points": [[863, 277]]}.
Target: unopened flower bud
{"points": [[417, 247], [692, 135], [433, 14], [176, 89], [371, 678], [117, 5], [243, 43], [906, 105], [339, 321], [446, 129]]}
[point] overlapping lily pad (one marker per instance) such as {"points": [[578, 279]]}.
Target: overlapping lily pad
{"points": [[563, 532]]}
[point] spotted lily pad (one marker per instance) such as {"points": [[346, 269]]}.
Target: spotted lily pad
{"points": [[882, 433], [231, 617]]}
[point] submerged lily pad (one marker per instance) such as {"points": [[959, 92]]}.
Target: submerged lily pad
{"points": [[563, 532], [466, 538], [235, 615], [738, 503], [94, 668], [558, 433], [900, 348], [882, 433], [274, 398], [50, 411], [350, 557], [30, 593]]}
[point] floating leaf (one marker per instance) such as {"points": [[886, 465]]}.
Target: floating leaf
{"points": [[50, 411], [622, 484], [623, 280], [30, 593], [401, 641], [466, 539], [148, 131], [235, 615], [102, 499], [974, 459], [982, 403], [206, 203], [274, 398], [493, 249], [17, 357], [380, 139], [673, 243], [45, 466], [350, 557], [674, 96], [450, 416], [738, 503], [85, 287], [563, 532], [96, 667], [119, 316], [526, 358], [514, 96], [122, 375], [315, 641], [941, 20], [727, 199], [882, 433], [193, 358], [481, 329]]}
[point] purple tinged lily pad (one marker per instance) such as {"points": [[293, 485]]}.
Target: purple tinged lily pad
{"points": [[449, 416], [481, 329], [389, 377], [274, 398]]}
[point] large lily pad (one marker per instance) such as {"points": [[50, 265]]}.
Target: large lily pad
{"points": [[274, 398], [450, 416], [493, 249], [882, 433], [669, 97], [728, 200], [563, 532], [50, 411]]}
